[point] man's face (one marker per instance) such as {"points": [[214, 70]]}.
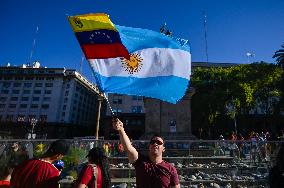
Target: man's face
{"points": [[15, 146], [156, 146]]}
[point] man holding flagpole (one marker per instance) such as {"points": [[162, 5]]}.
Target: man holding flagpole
{"points": [[151, 171]]}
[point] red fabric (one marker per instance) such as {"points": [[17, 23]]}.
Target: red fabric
{"points": [[86, 177], [150, 175], [4, 184], [35, 173], [103, 51]]}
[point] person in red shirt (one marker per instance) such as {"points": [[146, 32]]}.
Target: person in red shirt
{"points": [[95, 174], [40, 173], [5, 177], [151, 171]]}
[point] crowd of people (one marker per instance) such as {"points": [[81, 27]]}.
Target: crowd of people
{"points": [[151, 169]]}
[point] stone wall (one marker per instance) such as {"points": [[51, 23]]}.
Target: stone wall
{"points": [[173, 121]]}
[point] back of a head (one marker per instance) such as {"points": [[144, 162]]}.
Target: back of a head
{"points": [[58, 147], [96, 154], [5, 171]]}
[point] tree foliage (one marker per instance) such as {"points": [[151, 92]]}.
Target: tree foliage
{"points": [[241, 89], [279, 55]]}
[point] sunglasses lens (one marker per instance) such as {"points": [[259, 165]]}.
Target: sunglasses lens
{"points": [[156, 142]]}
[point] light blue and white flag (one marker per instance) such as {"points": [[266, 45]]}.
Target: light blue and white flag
{"points": [[159, 66]]}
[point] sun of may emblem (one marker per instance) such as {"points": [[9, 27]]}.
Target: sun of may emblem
{"points": [[133, 64]]}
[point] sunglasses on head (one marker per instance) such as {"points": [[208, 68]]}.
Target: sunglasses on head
{"points": [[156, 142]]}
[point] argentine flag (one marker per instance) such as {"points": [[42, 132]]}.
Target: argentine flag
{"points": [[159, 66], [133, 61]]}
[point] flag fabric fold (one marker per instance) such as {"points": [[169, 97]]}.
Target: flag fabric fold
{"points": [[157, 66]]}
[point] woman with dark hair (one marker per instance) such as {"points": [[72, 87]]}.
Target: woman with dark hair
{"points": [[276, 174], [95, 174]]}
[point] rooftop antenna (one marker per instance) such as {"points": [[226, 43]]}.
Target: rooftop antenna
{"points": [[33, 46], [205, 34]]}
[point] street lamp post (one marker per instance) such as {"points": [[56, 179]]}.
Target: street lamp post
{"points": [[33, 122]]}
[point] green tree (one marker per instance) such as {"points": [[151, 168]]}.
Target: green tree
{"points": [[234, 90], [279, 55]]}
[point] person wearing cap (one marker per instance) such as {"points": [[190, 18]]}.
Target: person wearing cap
{"points": [[40, 172], [95, 173], [151, 171]]}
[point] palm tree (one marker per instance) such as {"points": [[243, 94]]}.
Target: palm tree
{"points": [[279, 55]]}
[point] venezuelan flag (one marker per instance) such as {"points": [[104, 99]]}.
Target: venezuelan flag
{"points": [[97, 36]]}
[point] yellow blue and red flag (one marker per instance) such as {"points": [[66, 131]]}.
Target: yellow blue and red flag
{"points": [[134, 61], [97, 36]]}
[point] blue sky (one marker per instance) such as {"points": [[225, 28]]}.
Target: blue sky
{"points": [[234, 27]]}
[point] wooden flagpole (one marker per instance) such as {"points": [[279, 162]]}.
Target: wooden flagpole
{"points": [[101, 97]]}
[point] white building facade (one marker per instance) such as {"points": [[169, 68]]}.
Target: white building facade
{"points": [[52, 95]]}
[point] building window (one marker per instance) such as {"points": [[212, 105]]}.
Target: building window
{"points": [[137, 98], [5, 91], [66, 93], [117, 110], [48, 84], [46, 99], [2, 106], [37, 91], [38, 84], [136, 109], [27, 91], [35, 98], [17, 84], [16, 91], [45, 106], [23, 105], [25, 98], [34, 105], [65, 99], [12, 105], [117, 101], [3, 99], [47, 92], [6, 84], [27, 84], [14, 98]]}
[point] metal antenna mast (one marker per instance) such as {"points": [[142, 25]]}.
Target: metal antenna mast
{"points": [[33, 46], [205, 34]]}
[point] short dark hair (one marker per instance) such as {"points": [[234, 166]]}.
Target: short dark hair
{"points": [[157, 135], [58, 147]]}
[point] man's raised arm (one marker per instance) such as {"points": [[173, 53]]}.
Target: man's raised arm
{"points": [[125, 141]]}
